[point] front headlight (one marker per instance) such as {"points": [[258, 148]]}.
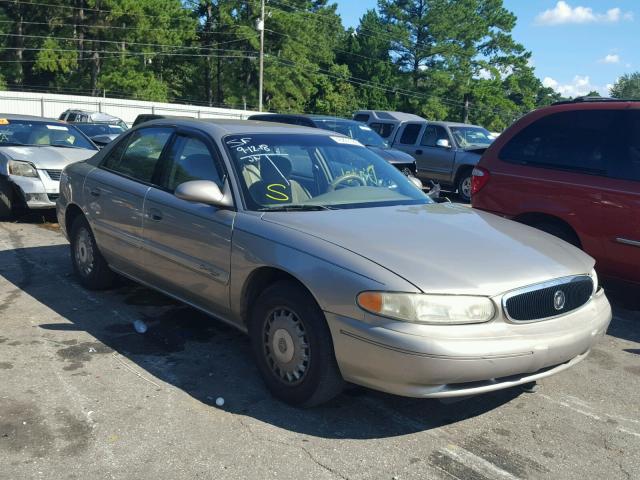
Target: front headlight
{"points": [[594, 278], [22, 169], [430, 309]]}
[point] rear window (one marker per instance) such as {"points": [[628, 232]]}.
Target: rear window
{"points": [[382, 129], [584, 141], [361, 117]]}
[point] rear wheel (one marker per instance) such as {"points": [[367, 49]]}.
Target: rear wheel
{"points": [[6, 199], [88, 263], [464, 186], [292, 346]]}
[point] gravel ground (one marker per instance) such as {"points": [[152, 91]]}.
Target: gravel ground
{"points": [[83, 396]]}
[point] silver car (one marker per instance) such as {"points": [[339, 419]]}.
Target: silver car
{"points": [[337, 266], [33, 152]]}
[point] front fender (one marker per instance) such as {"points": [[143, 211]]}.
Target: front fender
{"points": [[333, 275]]}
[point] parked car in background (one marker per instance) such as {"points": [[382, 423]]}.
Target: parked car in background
{"points": [[445, 152], [87, 116], [333, 262], [572, 170], [33, 152], [356, 130], [385, 123], [147, 117], [100, 133]]}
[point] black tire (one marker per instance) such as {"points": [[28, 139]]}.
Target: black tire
{"points": [[320, 381], [6, 199], [463, 185], [559, 230], [89, 265]]}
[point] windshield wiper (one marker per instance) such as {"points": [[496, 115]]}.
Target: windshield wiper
{"points": [[295, 208]]}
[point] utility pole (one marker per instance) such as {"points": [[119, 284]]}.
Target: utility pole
{"points": [[261, 76]]}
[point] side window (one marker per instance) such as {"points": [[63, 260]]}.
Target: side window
{"points": [[382, 129], [71, 117], [190, 159], [582, 141], [141, 155], [361, 117], [430, 137], [627, 165], [410, 134]]}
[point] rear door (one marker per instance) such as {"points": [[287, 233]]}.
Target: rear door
{"points": [[187, 244], [114, 196], [407, 140], [436, 162], [621, 203]]}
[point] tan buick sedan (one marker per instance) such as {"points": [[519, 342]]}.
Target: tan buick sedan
{"points": [[337, 266]]}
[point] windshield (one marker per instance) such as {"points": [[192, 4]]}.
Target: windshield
{"points": [[93, 129], [355, 130], [34, 133], [467, 137], [298, 171]]}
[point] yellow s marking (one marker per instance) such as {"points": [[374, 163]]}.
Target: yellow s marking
{"points": [[279, 196]]}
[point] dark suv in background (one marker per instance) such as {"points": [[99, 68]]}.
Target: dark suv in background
{"points": [[572, 170], [351, 128]]}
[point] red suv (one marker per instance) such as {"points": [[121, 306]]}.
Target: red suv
{"points": [[572, 170]]}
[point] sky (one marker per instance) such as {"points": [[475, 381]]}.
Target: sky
{"points": [[577, 45]]}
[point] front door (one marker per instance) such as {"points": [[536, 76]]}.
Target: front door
{"points": [[115, 193], [188, 245], [436, 162]]}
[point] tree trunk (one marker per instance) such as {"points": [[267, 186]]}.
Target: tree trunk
{"points": [[208, 74], [465, 115], [95, 71], [19, 44], [79, 29]]}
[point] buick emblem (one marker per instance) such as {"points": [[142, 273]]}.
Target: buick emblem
{"points": [[559, 300]]}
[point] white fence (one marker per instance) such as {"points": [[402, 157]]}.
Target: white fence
{"points": [[51, 105]]}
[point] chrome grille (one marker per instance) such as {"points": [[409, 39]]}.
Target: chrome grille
{"points": [[54, 174], [548, 300]]}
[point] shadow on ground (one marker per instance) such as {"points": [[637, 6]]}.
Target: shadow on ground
{"points": [[206, 358]]}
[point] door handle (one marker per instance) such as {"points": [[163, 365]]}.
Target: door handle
{"points": [[95, 192], [418, 152], [155, 214]]}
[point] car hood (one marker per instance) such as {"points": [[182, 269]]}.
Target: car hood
{"points": [[392, 155], [444, 248], [47, 157]]}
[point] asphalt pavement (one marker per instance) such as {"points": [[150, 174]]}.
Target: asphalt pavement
{"points": [[83, 396]]}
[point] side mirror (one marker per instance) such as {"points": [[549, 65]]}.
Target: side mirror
{"points": [[416, 181], [443, 143], [204, 191]]}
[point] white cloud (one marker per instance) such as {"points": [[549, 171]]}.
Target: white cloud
{"points": [[580, 86], [563, 13], [611, 58]]}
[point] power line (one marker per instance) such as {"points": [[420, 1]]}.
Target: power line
{"points": [[96, 10], [120, 42]]}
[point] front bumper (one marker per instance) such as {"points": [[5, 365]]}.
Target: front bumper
{"points": [[459, 360], [408, 168], [37, 193]]}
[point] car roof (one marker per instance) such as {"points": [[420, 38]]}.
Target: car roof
{"points": [[30, 118], [394, 116], [453, 124], [219, 127]]}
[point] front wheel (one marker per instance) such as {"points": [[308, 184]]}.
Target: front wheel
{"points": [[89, 265], [464, 186], [292, 346]]}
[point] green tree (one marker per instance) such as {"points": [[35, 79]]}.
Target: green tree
{"points": [[627, 86]]}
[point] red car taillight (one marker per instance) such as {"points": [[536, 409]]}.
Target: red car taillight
{"points": [[479, 179]]}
